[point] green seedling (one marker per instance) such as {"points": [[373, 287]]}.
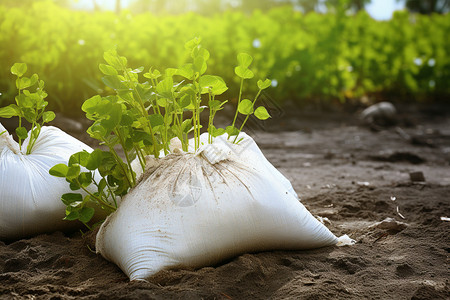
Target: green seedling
{"points": [[141, 117], [30, 105]]}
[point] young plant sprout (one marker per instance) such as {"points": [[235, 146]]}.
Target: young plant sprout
{"points": [[143, 117], [29, 106]]}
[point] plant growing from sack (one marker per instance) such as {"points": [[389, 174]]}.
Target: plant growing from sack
{"points": [[142, 118], [28, 205], [29, 106]]}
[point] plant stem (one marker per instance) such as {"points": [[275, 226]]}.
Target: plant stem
{"points": [[99, 199], [246, 118], [122, 143], [140, 156], [120, 162], [239, 101], [33, 137]]}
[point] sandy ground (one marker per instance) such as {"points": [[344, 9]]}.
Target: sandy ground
{"points": [[351, 175]]}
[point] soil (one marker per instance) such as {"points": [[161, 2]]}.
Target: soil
{"points": [[352, 175]]}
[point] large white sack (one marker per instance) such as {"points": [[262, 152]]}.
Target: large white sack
{"points": [[194, 210], [30, 198]]}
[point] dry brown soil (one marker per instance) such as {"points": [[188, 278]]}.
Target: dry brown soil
{"points": [[343, 171]]}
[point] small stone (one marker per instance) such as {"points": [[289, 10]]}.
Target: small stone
{"points": [[417, 176]]}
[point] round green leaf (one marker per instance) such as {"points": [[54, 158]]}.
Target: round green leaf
{"points": [[85, 179], [72, 199], [71, 215], [231, 130], [95, 160], [244, 60], [243, 72], [73, 172], [59, 170], [264, 84], [245, 107], [114, 82], [107, 69], [8, 111], [79, 158], [48, 116], [212, 83], [261, 113], [21, 132], [156, 120], [19, 69]]}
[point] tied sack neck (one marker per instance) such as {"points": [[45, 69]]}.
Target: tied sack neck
{"points": [[6, 141]]}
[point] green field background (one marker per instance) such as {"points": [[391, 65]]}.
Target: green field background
{"points": [[331, 57]]}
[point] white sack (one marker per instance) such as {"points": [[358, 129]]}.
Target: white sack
{"points": [[30, 198], [188, 211]]}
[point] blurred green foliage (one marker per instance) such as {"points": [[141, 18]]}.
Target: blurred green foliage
{"points": [[323, 57]]}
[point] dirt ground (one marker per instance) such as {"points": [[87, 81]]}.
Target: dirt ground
{"points": [[352, 175]]}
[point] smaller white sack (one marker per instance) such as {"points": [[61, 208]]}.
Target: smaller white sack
{"points": [[197, 209], [30, 198]]}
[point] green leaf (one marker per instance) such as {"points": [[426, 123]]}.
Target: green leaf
{"points": [[215, 84], [85, 179], [264, 84], [243, 72], [156, 120], [186, 126], [29, 114], [95, 160], [71, 215], [113, 59], [162, 102], [114, 82], [244, 60], [214, 104], [261, 113], [152, 74], [200, 52], [9, 111], [86, 214], [72, 199], [200, 64], [80, 158], [59, 170], [48, 116], [74, 186], [169, 72], [126, 120], [102, 185], [107, 69], [33, 79], [187, 71], [231, 130], [89, 106], [113, 117], [73, 172], [19, 69], [215, 132], [137, 70], [126, 95], [97, 131], [23, 83], [21, 132], [191, 44], [245, 107], [185, 101], [165, 87]]}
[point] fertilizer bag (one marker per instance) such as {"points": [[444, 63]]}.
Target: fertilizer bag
{"points": [[197, 209], [30, 198]]}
